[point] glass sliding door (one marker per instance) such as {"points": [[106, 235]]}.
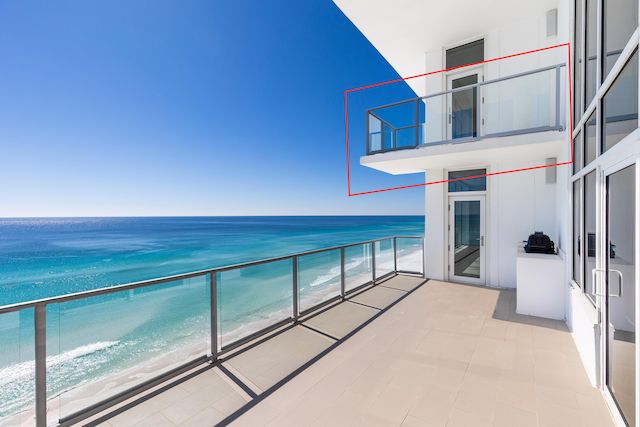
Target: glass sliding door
{"points": [[620, 285]]}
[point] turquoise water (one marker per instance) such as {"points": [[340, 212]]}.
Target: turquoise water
{"points": [[146, 331]]}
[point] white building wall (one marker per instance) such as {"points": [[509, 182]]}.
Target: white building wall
{"points": [[523, 36], [517, 204], [434, 227]]}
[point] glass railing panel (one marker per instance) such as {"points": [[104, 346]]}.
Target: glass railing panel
{"points": [[399, 115], [17, 369], [55, 370], [357, 266], [521, 103], [254, 298], [111, 343], [435, 123], [375, 133], [384, 257], [409, 255], [388, 137], [406, 137], [318, 278]]}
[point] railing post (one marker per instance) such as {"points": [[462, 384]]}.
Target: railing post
{"points": [[368, 137], [424, 259], [417, 122], [479, 112], [40, 326], [373, 262], [558, 97], [395, 255], [296, 308], [342, 273], [213, 282]]}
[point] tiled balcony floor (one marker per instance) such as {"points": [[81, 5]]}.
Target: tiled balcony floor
{"points": [[444, 355]]}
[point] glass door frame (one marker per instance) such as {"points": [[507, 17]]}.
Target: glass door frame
{"points": [[602, 273], [455, 75], [450, 242]]}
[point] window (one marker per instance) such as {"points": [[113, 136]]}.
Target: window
{"points": [[620, 105], [589, 241], [473, 184], [577, 153], [589, 152], [619, 23], [577, 64], [592, 52], [466, 54], [576, 232]]}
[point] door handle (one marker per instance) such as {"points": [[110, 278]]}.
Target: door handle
{"points": [[595, 283], [481, 240], [449, 115], [620, 283]]}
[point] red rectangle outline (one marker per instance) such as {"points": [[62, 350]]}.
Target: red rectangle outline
{"points": [[346, 117]]}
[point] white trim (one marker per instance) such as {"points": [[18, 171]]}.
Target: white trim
{"points": [[618, 164], [466, 196]]}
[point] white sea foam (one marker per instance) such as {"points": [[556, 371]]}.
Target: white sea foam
{"points": [[23, 370], [335, 272]]}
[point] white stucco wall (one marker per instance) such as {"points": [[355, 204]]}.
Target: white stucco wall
{"points": [[523, 36], [516, 205], [434, 227]]}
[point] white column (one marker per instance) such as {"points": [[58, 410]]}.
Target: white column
{"points": [[434, 226]]}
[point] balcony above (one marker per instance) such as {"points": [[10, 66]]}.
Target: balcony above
{"points": [[503, 119]]}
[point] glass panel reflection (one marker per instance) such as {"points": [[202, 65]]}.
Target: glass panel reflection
{"points": [[467, 238], [375, 133], [522, 103], [620, 21], [590, 243], [111, 343], [620, 105], [621, 348], [577, 153], [357, 266], [409, 255], [578, 63], [388, 137], [17, 374], [576, 232], [473, 184], [590, 150], [591, 45], [253, 298], [406, 137], [435, 119], [384, 257], [318, 278], [463, 108]]}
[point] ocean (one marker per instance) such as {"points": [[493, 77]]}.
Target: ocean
{"points": [[103, 345]]}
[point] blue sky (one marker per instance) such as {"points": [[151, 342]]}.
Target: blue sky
{"points": [[119, 108]]}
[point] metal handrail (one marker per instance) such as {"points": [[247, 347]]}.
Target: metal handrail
{"points": [[183, 276], [478, 112], [40, 324]]}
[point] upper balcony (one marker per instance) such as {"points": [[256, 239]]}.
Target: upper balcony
{"points": [[471, 111]]}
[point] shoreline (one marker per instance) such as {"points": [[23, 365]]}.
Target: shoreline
{"points": [[101, 389]]}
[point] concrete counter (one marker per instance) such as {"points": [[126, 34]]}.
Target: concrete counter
{"points": [[540, 284]]}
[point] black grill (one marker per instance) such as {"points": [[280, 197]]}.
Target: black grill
{"points": [[539, 243]]}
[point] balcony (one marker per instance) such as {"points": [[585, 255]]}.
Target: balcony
{"points": [[519, 104], [377, 344], [66, 358]]}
